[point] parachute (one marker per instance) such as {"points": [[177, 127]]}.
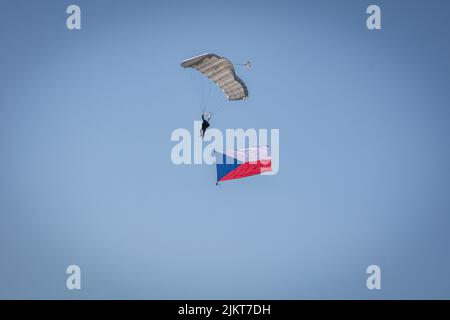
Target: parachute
{"points": [[221, 72], [216, 71]]}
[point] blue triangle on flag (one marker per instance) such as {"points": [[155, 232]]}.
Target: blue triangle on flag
{"points": [[225, 165]]}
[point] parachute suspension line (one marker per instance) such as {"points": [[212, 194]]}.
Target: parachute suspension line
{"points": [[248, 64], [198, 89], [211, 94], [213, 113], [216, 71], [205, 96]]}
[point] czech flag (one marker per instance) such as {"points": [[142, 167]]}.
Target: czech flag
{"points": [[241, 163]]}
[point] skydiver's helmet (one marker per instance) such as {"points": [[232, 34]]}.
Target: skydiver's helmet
{"points": [[207, 116]]}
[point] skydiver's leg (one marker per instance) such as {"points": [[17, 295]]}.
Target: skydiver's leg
{"points": [[203, 130]]}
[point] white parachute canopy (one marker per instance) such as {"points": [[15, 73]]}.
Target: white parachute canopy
{"points": [[221, 71]]}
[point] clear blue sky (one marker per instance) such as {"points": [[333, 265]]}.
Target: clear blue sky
{"points": [[86, 176]]}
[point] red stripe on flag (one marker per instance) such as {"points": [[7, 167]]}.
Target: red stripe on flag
{"points": [[249, 169]]}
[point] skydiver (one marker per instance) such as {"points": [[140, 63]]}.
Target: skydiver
{"points": [[205, 124]]}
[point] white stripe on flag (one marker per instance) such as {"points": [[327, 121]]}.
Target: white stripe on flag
{"points": [[250, 154]]}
